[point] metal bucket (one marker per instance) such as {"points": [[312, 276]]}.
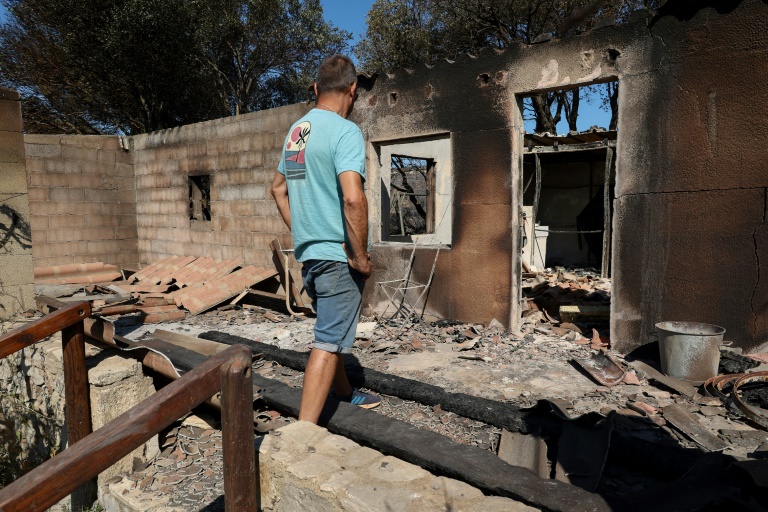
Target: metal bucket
{"points": [[689, 350]]}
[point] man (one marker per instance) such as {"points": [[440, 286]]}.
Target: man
{"points": [[319, 191]]}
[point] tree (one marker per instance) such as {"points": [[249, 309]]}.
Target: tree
{"points": [[132, 66], [264, 52], [402, 33]]}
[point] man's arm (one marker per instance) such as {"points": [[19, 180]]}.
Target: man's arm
{"points": [[280, 193], [356, 217]]}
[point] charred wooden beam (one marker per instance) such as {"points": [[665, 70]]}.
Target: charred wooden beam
{"points": [[496, 413], [653, 452]]}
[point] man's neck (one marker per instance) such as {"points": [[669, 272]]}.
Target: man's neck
{"points": [[332, 103]]}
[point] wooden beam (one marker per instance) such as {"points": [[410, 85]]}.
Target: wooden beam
{"points": [[241, 482], [606, 266], [26, 335], [535, 210], [280, 265], [88, 298], [201, 346], [77, 403], [568, 148]]}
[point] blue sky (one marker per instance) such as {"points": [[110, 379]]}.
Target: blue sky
{"points": [[348, 15]]}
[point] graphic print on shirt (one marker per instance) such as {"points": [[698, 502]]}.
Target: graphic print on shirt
{"points": [[295, 146]]}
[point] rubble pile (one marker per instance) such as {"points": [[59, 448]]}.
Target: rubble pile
{"points": [[567, 303], [186, 475]]}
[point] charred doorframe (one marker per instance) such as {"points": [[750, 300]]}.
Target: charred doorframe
{"points": [[518, 148], [436, 148]]}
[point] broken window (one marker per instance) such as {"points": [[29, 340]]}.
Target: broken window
{"points": [[412, 194], [574, 110], [200, 197], [416, 191]]}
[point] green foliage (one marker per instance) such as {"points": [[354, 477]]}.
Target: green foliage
{"points": [[264, 53], [132, 66], [403, 32], [14, 459]]}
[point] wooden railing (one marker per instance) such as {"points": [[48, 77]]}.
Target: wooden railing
{"points": [[77, 404], [88, 454]]}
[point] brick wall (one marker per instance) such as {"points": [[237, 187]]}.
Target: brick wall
{"points": [[82, 200], [16, 281], [240, 154]]}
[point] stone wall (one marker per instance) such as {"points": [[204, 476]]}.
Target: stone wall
{"points": [[16, 277], [240, 154], [307, 468], [82, 200], [32, 400]]}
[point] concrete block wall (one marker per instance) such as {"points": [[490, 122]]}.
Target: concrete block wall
{"points": [[241, 155], [82, 200], [16, 277]]}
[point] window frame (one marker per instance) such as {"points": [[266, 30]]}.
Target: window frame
{"points": [[438, 150]]}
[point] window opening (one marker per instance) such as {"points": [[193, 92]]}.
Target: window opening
{"points": [[415, 191], [412, 196], [200, 197]]}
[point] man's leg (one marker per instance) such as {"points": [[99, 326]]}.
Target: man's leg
{"points": [[337, 295], [320, 372], [341, 385]]}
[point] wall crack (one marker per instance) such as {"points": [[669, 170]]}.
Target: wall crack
{"points": [[757, 258], [662, 192]]}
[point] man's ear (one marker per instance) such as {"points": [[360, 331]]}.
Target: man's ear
{"points": [[314, 86], [353, 89]]}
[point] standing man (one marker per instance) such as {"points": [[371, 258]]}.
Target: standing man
{"points": [[319, 191]]}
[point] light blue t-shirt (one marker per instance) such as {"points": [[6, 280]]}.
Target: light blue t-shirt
{"points": [[320, 146]]}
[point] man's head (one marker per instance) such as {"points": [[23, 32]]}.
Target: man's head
{"points": [[337, 83], [336, 74]]}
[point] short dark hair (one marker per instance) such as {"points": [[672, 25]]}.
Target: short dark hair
{"points": [[336, 73]]}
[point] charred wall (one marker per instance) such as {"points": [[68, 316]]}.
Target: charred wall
{"points": [[16, 277], [691, 196], [690, 209], [472, 278]]}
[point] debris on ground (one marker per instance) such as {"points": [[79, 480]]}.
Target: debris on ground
{"points": [[560, 354], [567, 303]]}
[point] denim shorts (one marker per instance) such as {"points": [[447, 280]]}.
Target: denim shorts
{"points": [[336, 291]]}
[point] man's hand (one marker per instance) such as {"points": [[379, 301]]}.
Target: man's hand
{"points": [[356, 218], [361, 263]]}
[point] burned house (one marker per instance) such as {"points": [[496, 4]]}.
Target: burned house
{"points": [[686, 180], [682, 179]]}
